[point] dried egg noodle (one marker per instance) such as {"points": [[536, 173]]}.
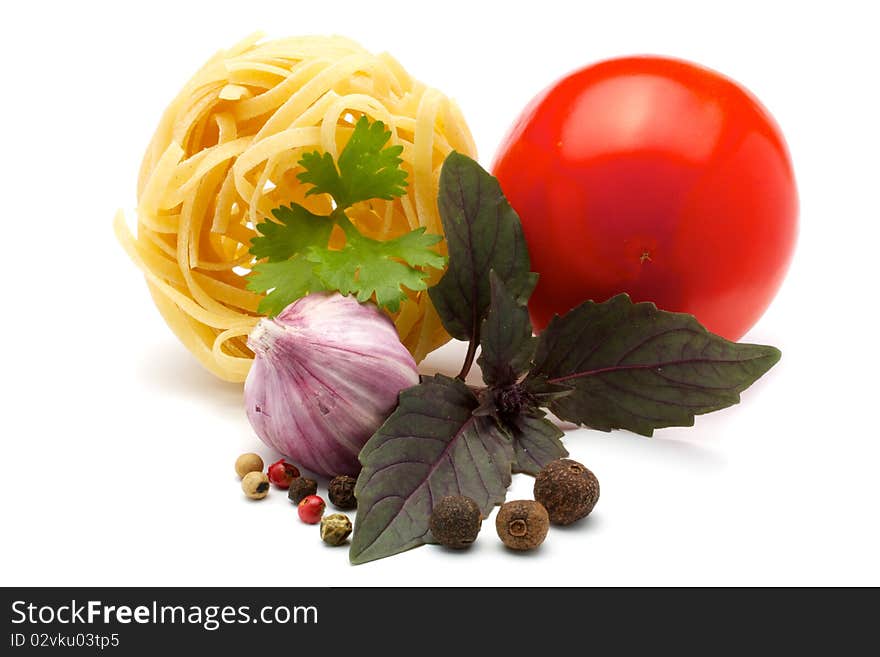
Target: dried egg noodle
{"points": [[225, 154]]}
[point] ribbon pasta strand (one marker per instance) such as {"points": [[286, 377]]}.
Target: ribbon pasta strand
{"points": [[225, 154]]}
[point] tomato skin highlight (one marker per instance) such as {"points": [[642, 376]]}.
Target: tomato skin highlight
{"points": [[655, 177]]}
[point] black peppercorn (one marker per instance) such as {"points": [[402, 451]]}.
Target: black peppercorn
{"points": [[567, 489], [522, 524], [341, 492], [300, 488], [455, 521]]}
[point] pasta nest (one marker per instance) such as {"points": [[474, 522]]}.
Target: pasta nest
{"points": [[226, 153]]}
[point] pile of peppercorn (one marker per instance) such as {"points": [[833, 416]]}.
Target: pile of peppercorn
{"points": [[565, 491], [302, 491]]}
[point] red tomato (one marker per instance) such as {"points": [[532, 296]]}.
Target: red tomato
{"points": [[658, 178]]}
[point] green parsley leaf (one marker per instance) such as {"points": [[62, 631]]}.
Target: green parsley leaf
{"points": [[286, 281], [320, 171], [298, 229], [295, 246], [366, 267], [366, 170], [415, 248]]}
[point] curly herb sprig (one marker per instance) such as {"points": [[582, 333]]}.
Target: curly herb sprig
{"points": [[295, 247]]}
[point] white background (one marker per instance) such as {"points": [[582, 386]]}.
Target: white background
{"points": [[117, 449]]}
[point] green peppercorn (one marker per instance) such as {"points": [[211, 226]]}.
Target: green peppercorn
{"points": [[567, 489], [300, 488], [340, 490], [249, 462], [335, 528], [522, 524], [455, 521], [255, 485]]}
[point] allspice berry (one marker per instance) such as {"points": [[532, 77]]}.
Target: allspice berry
{"points": [[255, 485], [567, 489], [335, 528], [300, 488], [522, 524], [340, 490], [455, 521], [249, 462]]}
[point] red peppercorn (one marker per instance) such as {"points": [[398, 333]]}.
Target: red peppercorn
{"points": [[282, 473], [311, 509]]}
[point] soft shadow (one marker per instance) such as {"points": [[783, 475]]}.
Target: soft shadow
{"points": [[172, 370], [445, 549], [501, 548], [589, 524], [657, 447]]}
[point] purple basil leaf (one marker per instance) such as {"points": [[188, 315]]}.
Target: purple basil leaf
{"points": [[483, 233], [432, 445], [506, 340], [632, 366], [542, 392], [535, 442]]}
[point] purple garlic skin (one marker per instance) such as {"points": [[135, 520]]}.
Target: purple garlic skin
{"points": [[327, 372]]}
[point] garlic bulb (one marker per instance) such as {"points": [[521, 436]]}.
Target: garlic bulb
{"points": [[327, 372]]}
